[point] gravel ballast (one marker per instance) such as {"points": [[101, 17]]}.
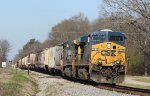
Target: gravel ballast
{"points": [[56, 86]]}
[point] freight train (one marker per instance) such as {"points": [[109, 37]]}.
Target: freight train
{"points": [[99, 57]]}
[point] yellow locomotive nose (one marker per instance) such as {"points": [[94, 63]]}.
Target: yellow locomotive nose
{"points": [[108, 54]]}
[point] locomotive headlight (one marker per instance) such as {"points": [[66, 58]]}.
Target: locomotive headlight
{"points": [[121, 50], [112, 63], [118, 62], [100, 61], [108, 45], [94, 49]]}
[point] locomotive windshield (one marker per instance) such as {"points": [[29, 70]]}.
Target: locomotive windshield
{"points": [[116, 37], [102, 36], [98, 37]]}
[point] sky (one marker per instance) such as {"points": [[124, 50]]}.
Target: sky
{"points": [[21, 20]]}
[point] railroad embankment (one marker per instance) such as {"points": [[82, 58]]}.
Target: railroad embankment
{"points": [[16, 83]]}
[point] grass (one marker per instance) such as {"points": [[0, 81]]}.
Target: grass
{"points": [[20, 77], [16, 83], [146, 80], [135, 85], [137, 78], [10, 89]]}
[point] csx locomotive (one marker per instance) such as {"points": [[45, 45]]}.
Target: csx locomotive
{"points": [[99, 56]]}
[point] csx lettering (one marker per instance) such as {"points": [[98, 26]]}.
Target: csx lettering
{"points": [[108, 52]]}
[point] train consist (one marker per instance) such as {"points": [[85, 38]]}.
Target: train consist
{"points": [[99, 56]]}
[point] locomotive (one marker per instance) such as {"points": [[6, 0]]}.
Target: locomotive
{"points": [[99, 57]]}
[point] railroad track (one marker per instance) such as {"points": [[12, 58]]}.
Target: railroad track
{"points": [[117, 88], [125, 89]]}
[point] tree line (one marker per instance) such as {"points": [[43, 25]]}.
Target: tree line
{"points": [[129, 16], [4, 50]]}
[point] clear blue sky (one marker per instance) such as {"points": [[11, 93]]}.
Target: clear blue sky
{"points": [[21, 20]]}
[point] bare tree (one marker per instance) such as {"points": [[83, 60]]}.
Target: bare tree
{"points": [[69, 29], [136, 15], [135, 12], [4, 49]]}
